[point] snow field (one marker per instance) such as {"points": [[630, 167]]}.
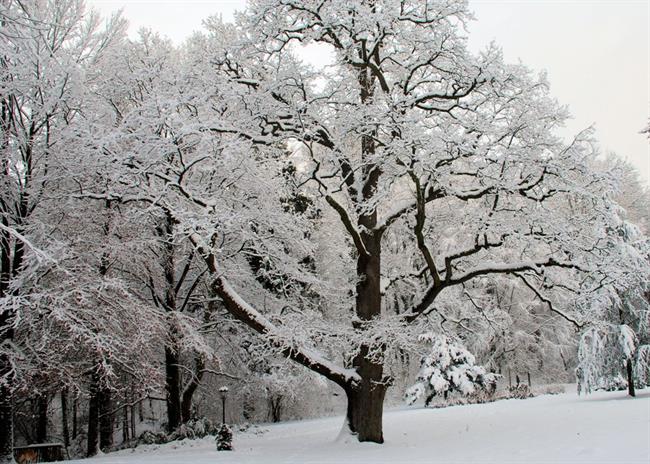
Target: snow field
{"points": [[605, 427]]}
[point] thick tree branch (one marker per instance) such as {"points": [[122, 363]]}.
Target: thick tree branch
{"points": [[247, 314], [478, 246], [393, 216], [420, 218], [349, 226], [432, 292]]}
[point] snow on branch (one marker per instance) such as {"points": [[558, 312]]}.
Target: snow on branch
{"points": [[243, 311], [485, 269], [548, 302], [345, 218], [41, 255], [246, 313]]}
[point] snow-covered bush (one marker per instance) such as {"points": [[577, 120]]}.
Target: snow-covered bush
{"points": [[224, 438], [195, 428], [614, 383], [449, 367], [152, 438], [519, 391], [552, 389]]}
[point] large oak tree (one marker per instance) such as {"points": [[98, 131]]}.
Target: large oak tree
{"points": [[439, 166]]}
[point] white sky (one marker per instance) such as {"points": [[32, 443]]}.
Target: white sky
{"points": [[596, 53]]}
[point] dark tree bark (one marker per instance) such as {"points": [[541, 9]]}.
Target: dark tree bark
{"points": [[364, 412], [6, 422], [93, 417], [41, 425], [630, 378], [190, 388], [165, 231], [173, 387], [125, 424], [179, 400], [64, 419], [366, 399], [100, 417], [133, 431], [106, 420], [6, 334], [75, 403], [276, 406]]}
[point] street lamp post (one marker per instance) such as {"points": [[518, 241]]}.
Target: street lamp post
{"points": [[224, 434], [223, 392]]}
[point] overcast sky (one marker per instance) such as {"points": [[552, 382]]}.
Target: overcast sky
{"points": [[596, 53]]}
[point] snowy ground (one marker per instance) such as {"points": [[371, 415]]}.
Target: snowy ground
{"points": [[600, 428]]}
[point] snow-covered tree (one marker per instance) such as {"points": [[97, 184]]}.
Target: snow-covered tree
{"points": [[642, 365], [632, 193], [338, 213], [613, 349], [448, 368], [167, 269], [46, 48], [611, 357], [603, 355], [513, 334], [439, 167], [416, 146]]}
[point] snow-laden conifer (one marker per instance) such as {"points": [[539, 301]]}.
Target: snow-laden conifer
{"points": [[448, 368]]}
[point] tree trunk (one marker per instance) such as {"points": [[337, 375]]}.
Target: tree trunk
{"points": [[172, 354], [366, 404], [186, 407], [190, 388], [105, 420], [6, 423], [630, 378], [172, 385], [125, 424], [366, 400], [41, 425], [93, 418], [133, 431], [64, 419], [75, 403], [6, 396]]}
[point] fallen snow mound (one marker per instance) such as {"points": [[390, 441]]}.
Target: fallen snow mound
{"points": [[605, 427]]}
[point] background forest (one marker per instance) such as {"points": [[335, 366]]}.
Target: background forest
{"points": [[177, 219]]}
